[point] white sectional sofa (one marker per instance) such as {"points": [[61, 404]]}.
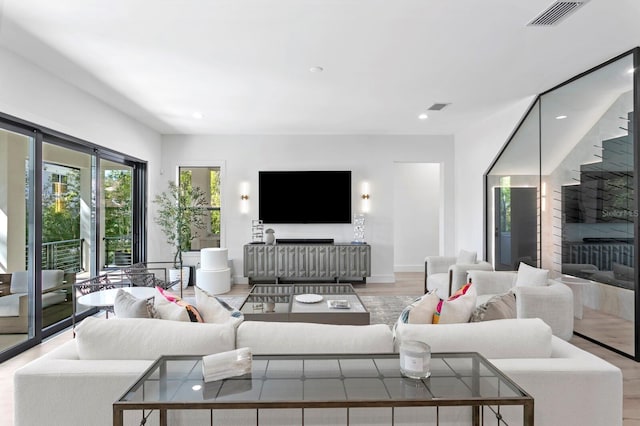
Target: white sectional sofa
{"points": [[552, 302], [77, 383]]}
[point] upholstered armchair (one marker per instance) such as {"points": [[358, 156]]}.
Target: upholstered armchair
{"points": [[552, 303], [447, 274]]}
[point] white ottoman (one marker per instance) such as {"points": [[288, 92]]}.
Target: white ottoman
{"points": [[214, 275]]}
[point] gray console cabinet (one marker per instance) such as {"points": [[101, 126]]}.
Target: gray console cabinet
{"points": [[291, 262]]}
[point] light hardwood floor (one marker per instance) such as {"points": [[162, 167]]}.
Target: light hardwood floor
{"points": [[406, 284]]}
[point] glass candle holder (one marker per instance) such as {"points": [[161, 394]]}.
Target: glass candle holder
{"points": [[415, 359]]}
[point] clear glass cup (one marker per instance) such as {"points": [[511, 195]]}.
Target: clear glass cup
{"points": [[415, 359]]}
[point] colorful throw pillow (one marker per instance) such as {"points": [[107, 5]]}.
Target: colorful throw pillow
{"points": [[457, 308], [170, 307], [498, 307], [421, 310], [530, 276], [215, 310], [127, 305]]}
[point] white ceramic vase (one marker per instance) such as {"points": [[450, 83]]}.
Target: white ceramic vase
{"points": [[174, 275]]}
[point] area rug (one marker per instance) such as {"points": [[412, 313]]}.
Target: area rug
{"points": [[383, 309]]}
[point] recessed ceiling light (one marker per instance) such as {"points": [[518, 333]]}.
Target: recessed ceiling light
{"points": [[631, 70], [197, 115], [423, 116], [561, 117], [316, 69]]}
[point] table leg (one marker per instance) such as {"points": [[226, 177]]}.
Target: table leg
{"points": [[528, 413], [163, 416], [118, 417]]}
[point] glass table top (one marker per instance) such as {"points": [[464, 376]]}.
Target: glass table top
{"points": [[305, 379]]}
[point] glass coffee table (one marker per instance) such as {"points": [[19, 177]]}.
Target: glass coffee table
{"points": [[463, 388], [305, 303]]}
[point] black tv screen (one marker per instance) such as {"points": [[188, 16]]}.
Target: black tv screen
{"points": [[304, 196]]}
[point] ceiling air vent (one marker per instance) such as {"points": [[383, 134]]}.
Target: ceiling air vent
{"points": [[437, 107], [556, 13]]}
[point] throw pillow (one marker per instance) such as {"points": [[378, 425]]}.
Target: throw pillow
{"points": [[467, 257], [127, 305], [421, 310], [457, 308], [170, 307], [214, 310], [498, 307], [530, 276]]}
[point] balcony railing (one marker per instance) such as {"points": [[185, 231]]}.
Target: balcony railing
{"points": [[65, 255], [117, 250]]}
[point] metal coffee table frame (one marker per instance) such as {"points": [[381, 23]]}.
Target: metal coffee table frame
{"points": [[310, 382], [276, 302]]}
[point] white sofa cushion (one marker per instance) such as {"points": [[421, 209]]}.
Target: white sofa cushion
{"points": [[304, 338], [467, 257], [214, 310], [458, 308], [138, 338], [530, 276], [505, 338]]}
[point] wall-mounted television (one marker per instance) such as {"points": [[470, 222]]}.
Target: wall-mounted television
{"points": [[304, 196]]}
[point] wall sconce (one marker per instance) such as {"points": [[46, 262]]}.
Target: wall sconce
{"points": [[365, 197], [244, 197]]}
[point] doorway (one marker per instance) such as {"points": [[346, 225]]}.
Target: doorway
{"points": [[417, 217]]}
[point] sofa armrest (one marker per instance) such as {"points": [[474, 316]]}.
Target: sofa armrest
{"points": [[438, 264], [569, 391], [492, 282], [553, 304], [459, 273], [42, 390]]}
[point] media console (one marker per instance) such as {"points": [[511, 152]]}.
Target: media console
{"points": [[307, 262]]}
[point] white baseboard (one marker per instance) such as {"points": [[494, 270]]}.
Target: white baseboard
{"points": [[408, 268]]}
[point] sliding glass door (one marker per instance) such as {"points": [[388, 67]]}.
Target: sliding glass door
{"points": [[17, 221], [68, 211]]}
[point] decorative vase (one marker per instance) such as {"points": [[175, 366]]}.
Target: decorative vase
{"points": [[174, 275], [270, 238]]}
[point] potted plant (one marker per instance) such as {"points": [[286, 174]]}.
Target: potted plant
{"points": [[181, 213]]}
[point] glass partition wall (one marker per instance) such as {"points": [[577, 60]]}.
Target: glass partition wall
{"points": [[62, 201], [560, 196]]}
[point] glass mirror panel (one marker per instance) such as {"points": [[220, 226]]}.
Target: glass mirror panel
{"points": [[512, 199], [588, 211], [116, 206], [67, 231]]}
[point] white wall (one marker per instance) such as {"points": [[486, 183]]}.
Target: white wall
{"points": [[370, 158], [31, 93], [475, 149], [416, 215]]}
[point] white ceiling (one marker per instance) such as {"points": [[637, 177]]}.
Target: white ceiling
{"points": [[244, 64]]}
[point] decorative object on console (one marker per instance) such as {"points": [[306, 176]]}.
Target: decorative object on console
{"points": [[226, 364], [271, 238], [214, 274], [256, 231], [358, 228]]}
